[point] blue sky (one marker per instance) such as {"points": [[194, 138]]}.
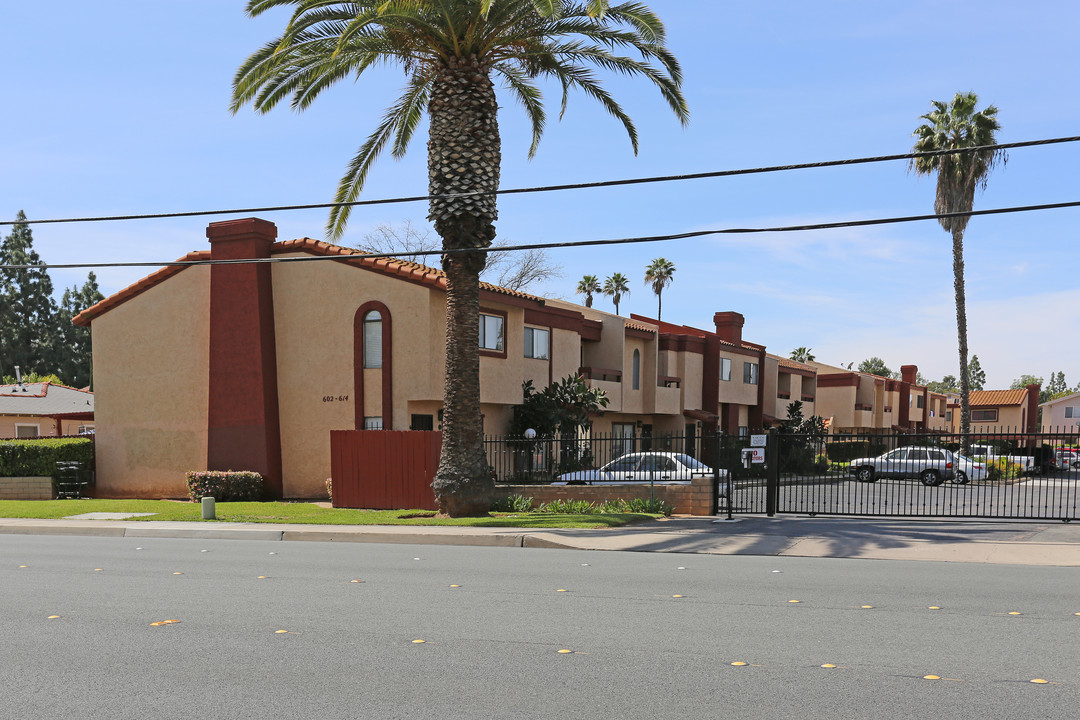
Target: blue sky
{"points": [[118, 107]]}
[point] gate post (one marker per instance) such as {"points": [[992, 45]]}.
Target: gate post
{"points": [[772, 472]]}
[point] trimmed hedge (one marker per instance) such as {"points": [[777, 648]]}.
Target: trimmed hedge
{"points": [[38, 457], [224, 485]]}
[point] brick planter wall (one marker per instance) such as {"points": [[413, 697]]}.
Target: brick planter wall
{"points": [[26, 488], [693, 499]]}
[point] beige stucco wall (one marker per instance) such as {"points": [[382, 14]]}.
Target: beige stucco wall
{"points": [[837, 403], [46, 425], [151, 356], [1053, 415], [735, 391]]}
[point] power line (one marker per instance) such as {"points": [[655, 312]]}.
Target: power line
{"points": [[570, 244], [551, 188]]}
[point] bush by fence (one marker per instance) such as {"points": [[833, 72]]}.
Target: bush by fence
{"points": [[848, 450], [38, 457], [224, 485]]}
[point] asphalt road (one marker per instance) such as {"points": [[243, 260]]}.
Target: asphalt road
{"points": [[494, 620]]}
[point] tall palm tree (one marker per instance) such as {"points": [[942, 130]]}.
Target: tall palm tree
{"points": [[802, 354], [587, 286], [659, 273], [450, 51], [617, 285], [952, 126]]}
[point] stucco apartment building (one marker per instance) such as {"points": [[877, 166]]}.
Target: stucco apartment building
{"points": [[854, 402], [999, 411], [249, 366]]}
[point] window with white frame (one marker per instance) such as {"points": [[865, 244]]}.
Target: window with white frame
{"points": [[27, 431], [373, 423], [725, 368], [373, 340], [491, 332], [750, 373], [1072, 412], [537, 342]]}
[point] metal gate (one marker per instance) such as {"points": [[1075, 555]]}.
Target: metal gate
{"points": [[1033, 476]]}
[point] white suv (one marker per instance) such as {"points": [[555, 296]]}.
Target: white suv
{"points": [[931, 465]]}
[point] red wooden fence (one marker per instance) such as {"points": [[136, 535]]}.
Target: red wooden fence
{"points": [[384, 469]]}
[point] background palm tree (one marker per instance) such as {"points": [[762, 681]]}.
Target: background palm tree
{"points": [[952, 126], [617, 285], [659, 273], [449, 51], [803, 355], [587, 286]]}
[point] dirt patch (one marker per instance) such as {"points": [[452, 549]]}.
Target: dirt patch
{"points": [[408, 516]]}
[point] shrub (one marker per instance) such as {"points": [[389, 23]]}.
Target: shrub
{"points": [[569, 507], [330, 489], [38, 457], [513, 503], [224, 485], [636, 505]]}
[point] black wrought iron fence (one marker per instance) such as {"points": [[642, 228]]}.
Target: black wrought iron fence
{"points": [[987, 474]]}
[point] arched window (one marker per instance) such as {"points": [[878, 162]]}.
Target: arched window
{"points": [[636, 376], [373, 340]]}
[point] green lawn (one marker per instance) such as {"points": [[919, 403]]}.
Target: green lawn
{"points": [[305, 513]]}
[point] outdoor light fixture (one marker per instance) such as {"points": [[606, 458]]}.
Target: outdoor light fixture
{"points": [[530, 434]]}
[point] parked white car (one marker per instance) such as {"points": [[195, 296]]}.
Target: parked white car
{"points": [[658, 467], [931, 465], [968, 470]]}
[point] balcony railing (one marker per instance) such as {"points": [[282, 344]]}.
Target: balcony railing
{"points": [[668, 381], [784, 395], [863, 406], [808, 398]]}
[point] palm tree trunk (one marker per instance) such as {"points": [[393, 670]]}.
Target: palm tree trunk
{"points": [[659, 303], [961, 333], [463, 157]]}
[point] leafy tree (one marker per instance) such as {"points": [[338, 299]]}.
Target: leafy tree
{"points": [[27, 321], [659, 274], [516, 269], [587, 286], [947, 384], [449, 51], [617, 285], [1024, 380], [976, 376], [31, 378], [75, 360], [875, 366], [803, 355], [954, 126], [562, 408], [797, 452]]}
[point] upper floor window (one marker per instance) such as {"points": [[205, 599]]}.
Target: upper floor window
{"points": [[373, 340], [536, 343], [636, 377], [491, 332], [750, 373], [984, 415], [918, 401], [1071, 412], [725, 368]]}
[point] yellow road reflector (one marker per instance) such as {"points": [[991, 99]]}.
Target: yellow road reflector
{"points": [[931, 677], [419, 642], [455, 586], [260, 577], [1013, 612], [561, 590], [356, 581], [280, 632], [22, 566], [828, 665], [867, 607], [156, 624], [565, 651], [97, 569], [178, 573], [52, 617], [738, 663], [1040, 681], [793, 601], [676, 596], [933, 607]]}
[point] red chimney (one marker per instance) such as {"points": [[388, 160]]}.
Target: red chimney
{"points": [[729, 326], [908, 373], [243, 430]]}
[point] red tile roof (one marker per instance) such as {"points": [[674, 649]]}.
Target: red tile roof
{"points": [[998, 397], [413, 272]]}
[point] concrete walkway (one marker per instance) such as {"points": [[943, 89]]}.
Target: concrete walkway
{"points": [[980, 541]]}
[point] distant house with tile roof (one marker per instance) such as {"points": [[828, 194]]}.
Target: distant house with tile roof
{"points": [[1000, 411], [44, 409]]}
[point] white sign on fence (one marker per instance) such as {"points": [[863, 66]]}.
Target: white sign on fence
{"points": [[757, 440]]}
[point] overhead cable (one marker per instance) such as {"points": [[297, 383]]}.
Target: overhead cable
{"points": [[551, 188], [569, 244]]}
